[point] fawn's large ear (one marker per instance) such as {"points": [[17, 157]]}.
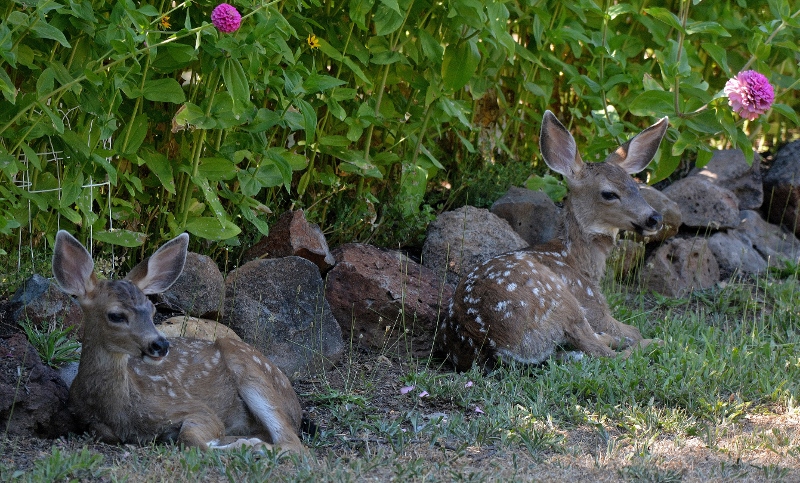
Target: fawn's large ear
{"points": [[73, 267], [159, 272], [558, 147], [637, 153]]}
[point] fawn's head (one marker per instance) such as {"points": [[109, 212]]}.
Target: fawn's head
{"points": [[117, 315], [603, 197]]}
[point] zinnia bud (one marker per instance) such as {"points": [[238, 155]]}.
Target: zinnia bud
{"points": [[749, 94]]}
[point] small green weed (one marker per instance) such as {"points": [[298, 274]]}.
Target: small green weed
{"points": [[54, 346], [70, 466], [644, 473]]}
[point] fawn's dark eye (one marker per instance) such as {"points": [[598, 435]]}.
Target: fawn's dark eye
{"points": [[117, 317], [609, 195]]}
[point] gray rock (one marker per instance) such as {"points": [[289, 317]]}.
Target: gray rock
{"points": [[681, 265], [461, 239], [386, 301], [278, 306], [199, 290], [67, 372], [532, 214], [728, 168], [45, 306], [294, 235], [668, 209], [774, 243], [782, 188], [735, 255], [703, 204]]}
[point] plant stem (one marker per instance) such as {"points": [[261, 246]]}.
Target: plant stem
{"points": [[681, 37]]}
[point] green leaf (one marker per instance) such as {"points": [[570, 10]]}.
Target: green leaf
{"points": [[309, 119], [58, 124], [653, 103], [550, 185], [132, 136], [8, 163], [125, 238], [719, 54], [665, 165], [7, 87], [45, 82], [459, 64], [703, 157], [412, 189], [161, 167], [334, 141], [788, 112], [217, 169], [357, 71], [164, 90], [31, 156], [44, 30], [358, 10], [107, 166], [249, 183], [279, 163], [386, 20], [615, 11], [193, 115], [319, 83], [236, 83], [665, 16], [210, 228], [261, 225], [430, 47], [706, 27], [211, 198]]}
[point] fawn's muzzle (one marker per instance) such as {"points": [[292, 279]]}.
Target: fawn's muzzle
{"points": [[651, 225], [158, 348]]}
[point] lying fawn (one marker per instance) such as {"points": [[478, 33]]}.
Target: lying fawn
{"points": [[522, 305], [134, 386]]}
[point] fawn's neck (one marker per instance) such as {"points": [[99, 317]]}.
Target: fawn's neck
{"points": [[586, 252], [100, 368]]}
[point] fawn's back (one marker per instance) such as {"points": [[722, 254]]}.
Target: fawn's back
{"points": [[522, 305]]}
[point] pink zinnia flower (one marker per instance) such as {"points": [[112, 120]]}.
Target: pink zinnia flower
{"points": [[226, 18], [749, 94]]}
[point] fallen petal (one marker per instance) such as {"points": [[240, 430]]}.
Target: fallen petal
{"points": [[406, 389], [423, 394], [468, 384], [479, 410]]}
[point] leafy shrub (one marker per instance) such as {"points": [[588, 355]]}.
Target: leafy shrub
{"points": [[129, 120]]}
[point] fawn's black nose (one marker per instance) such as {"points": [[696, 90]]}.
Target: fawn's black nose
{"points": [[158, 348], [654, 221]]}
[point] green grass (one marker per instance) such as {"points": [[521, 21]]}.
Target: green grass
{"points": [[685, 411]]}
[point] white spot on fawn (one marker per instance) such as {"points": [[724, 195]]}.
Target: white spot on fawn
{"points": [[511, 287]]}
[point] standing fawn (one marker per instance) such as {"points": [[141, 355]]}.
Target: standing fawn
{"points": [[134, 386], [520, 306]]}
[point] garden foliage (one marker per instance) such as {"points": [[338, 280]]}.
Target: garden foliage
{"points": [[348, 109]]}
